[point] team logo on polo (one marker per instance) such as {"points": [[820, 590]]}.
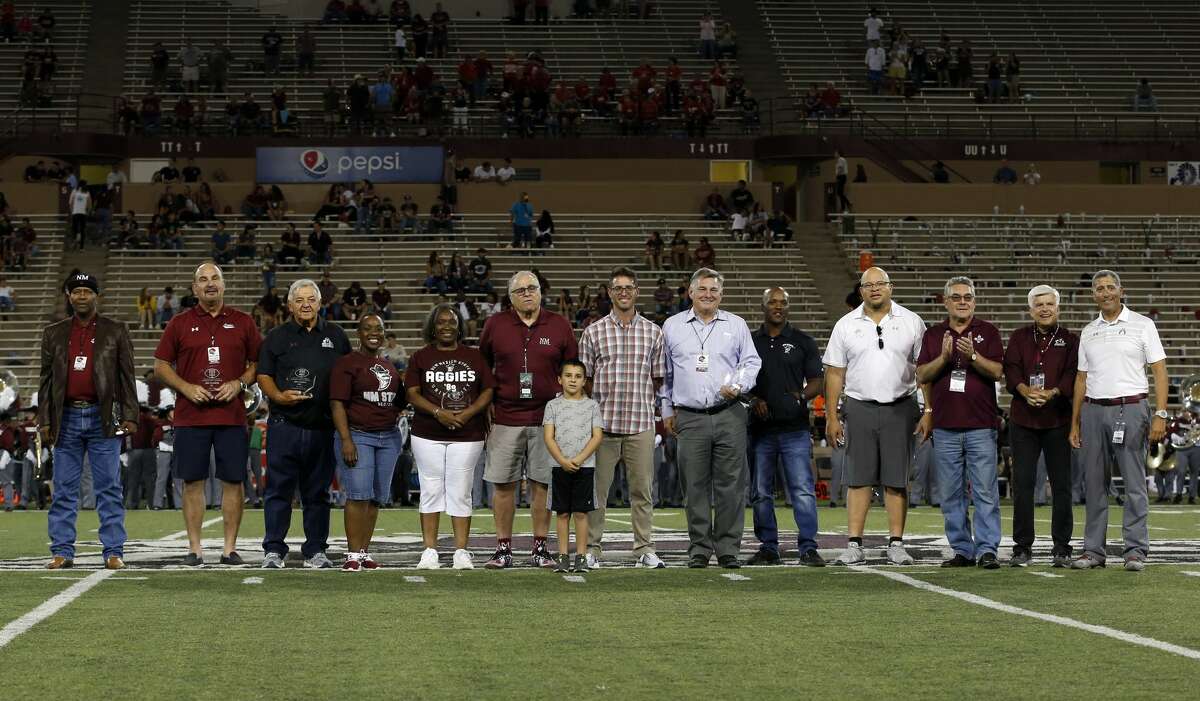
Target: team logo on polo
{"points": [[326, 343], [314, 163]]}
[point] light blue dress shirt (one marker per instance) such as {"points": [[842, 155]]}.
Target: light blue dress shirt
{"points": [[732, 359]]}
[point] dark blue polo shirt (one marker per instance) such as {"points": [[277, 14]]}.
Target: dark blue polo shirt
{"points": [[787, 361], [303, 360]]}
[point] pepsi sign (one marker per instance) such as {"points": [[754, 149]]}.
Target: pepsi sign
{"points": [[379, 164]]}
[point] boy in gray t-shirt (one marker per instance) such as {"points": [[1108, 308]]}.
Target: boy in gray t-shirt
{"points": [[572, 430]]}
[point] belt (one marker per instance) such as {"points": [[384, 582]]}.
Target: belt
{"points": [[891, 403], [709, 410], [76, 404], [1116, 401]]}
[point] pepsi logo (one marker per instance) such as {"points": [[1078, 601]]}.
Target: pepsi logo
{"points": [[314, 163]]}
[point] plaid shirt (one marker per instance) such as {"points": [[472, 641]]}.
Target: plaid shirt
{"points": [[623, 362]]}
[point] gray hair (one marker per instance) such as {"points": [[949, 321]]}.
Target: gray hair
{"points": [[958, 280], [767, 294], [301, 284], [1043, 290], [704, 273], [1106, 273], [863, 278], [513, 280]]}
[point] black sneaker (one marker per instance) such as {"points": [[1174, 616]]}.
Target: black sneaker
{"points": [[232, 559], [959, 560], [1191, 500], [832, 504], [697, 562], [1060, 559], [580, 564], [764, 557], [563, 563], [1020, 558], [729, 562], [988, 561], [1178, 499], [811, 558], [192, 560]]}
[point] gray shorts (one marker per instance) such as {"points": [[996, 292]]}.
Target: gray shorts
{"points": [[879, 442], [513, 450]]}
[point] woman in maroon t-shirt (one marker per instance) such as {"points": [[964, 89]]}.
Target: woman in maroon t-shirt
{"points": [[450, 385], [365, 400]]}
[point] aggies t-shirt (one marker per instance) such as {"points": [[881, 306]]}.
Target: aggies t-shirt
{"points": [[371, 389], [452, 380]]}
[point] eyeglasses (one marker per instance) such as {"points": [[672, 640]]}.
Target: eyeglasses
{"points": [[871, 286], [522, 291], [879, 333], [962, 298], [623, 289]]}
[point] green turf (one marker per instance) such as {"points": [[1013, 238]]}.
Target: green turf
{"points": [[623, 634], [23, 534]]}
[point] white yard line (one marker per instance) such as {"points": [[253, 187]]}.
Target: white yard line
{"points": [[977, 600], [183, 534], [630, 524], [1048, 575], [51, 606], [1190, 573], [736, 577]]}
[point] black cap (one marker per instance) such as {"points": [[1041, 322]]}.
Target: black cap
{"points": [[82, 280]]}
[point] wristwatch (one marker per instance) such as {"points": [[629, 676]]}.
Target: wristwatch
{"points": [[242, 384], [1162, 414], [974, 356]]}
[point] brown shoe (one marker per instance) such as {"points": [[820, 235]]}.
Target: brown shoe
{"points": [[114, 563], [58, 562]]}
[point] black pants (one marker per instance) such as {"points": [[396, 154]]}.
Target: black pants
{"points": [[843, 201], [79, 227], [1027, 444], [303, 457]]}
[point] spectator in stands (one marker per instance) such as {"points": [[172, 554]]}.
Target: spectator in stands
{"points": [[420, 33], [151, 113], [717, 84], [897, 74], [708, 37], [1032, 176], [841, 170], [320, 246], [184, 111], [737, 225], [480, 269], [400, 13], [335, 11], [167, 305], [435, 274], [206, 203], [219, 58], [382, 96], [160, 61], [1012, 71], [8, 22], [741, 198], [268, 311], [250, 115], [272, 46], [381, 300], [654, 250], [520, 215], [408, 215], [35, 172], [354, 301], [715, 208], [544, 231], [80, 202], [681, 258], [168, 174], [1005, 175], [189, 65], [939, 173], [779, 228], [441, 218], [439, 31], [727, 42], [146, 308], [750, 116], [873, 24], [306, 53], [939, 67], [963, 55], [222, 250], [254, 206], [289, 246], [331, 307], [995, 74], [1143, 97], [246, 247], [358, 95], [484, 172], [875, 60], [506, 172], [268, 267], [705, 255]]}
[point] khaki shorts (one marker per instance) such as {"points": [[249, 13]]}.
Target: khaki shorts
{"points": [[516, 450]]}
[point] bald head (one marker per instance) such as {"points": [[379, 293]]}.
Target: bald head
{"points": [[208, 284]]}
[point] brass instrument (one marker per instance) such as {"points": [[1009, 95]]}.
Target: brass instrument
{"points": [[10, 391], [252, 398]]}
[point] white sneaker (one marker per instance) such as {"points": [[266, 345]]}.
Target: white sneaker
{"points": [[852, 555], [592, 561], [650, 560], [462, 560], [897, 555], [429, 560]]}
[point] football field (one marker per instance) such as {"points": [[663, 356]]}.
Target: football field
{"points": [[157, 630]]}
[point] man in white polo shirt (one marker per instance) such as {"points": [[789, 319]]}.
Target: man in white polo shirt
{"points": [[1110, 416], [872, 354]]}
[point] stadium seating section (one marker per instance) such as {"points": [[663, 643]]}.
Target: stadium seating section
{"points": [[69, 43]]}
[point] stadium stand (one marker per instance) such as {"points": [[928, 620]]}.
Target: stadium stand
{"points": [[67, 42], [573, 49], [1080, 64], [1006, 256], [36, 297]]}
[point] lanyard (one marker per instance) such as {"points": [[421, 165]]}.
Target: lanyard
{"points": [[87, 332], [211, 324], [1042, 349], [704, 340]]}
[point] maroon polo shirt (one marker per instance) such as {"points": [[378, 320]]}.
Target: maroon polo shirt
{"points": [[976, 407], [511, 348], [452, 380], [186, 343], [81, 382], [371, 390], [1058, 354]]}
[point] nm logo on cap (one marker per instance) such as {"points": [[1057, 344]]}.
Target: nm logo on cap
{"points": [[314, 163]]}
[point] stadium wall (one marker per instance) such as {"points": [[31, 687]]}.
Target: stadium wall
{"points": [[1043, 199]]}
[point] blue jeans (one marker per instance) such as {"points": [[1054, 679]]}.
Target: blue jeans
{"points": [[795, 449], [371, 477], [297, 457], [81, 432], [962, 456]]}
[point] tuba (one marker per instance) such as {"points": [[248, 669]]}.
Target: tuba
{"points": [[1189, 397], [252, 399], [10, 391]]}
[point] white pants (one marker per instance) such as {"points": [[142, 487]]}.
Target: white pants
{"points": [[447, 471]]}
